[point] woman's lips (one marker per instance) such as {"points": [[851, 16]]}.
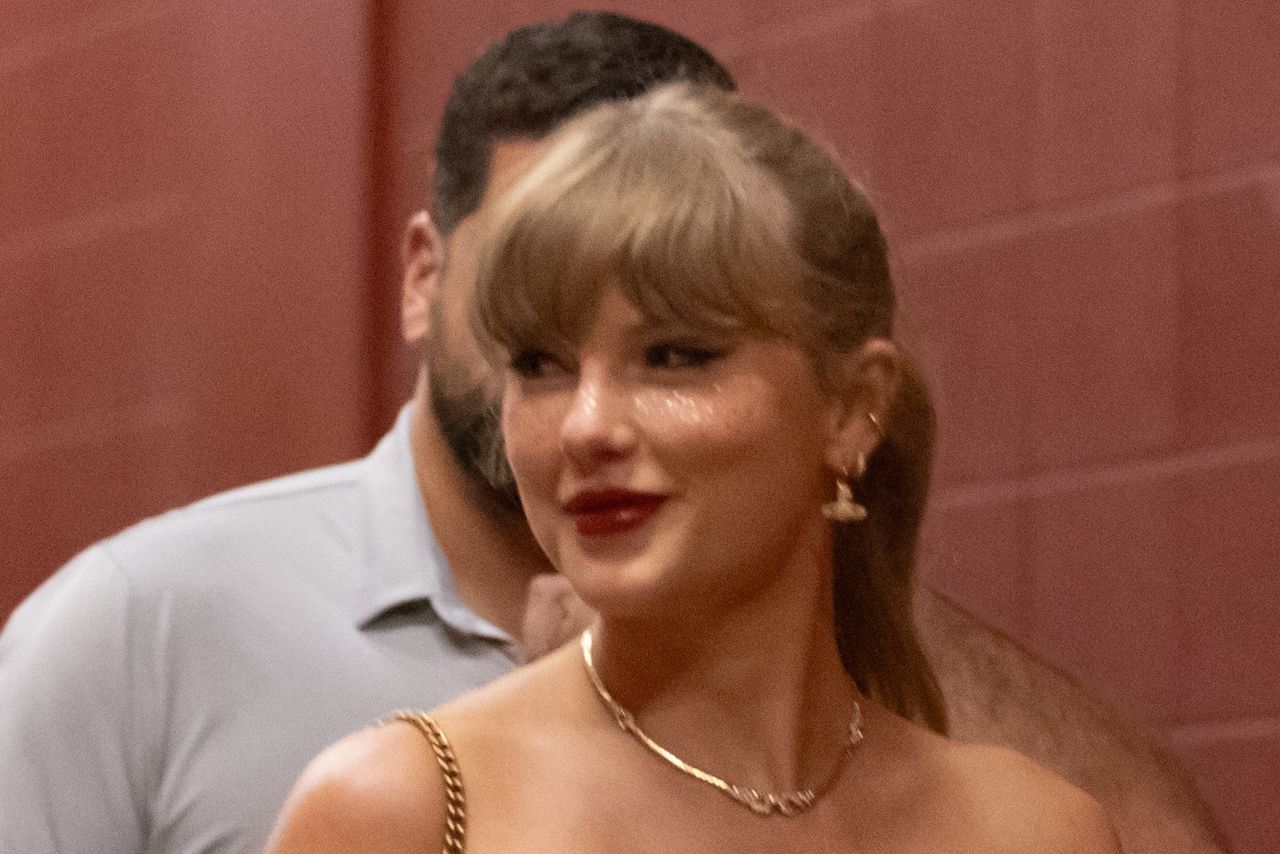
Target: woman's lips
{"points": [[604, 513]]}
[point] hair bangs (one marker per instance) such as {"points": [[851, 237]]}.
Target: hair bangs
{"points": [[692, 234]]}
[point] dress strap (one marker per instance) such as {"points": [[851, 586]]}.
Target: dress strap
{"points": [[455, 821]]}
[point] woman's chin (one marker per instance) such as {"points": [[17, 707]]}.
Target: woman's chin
{"points": [[622, 591]]}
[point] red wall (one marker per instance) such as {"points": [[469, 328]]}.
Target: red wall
{"points": [[183, 254], [198, 250]]}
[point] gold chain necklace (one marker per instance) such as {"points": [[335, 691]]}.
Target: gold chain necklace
{"points": [[761, 803]]}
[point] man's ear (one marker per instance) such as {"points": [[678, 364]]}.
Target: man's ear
{"points": [[865, 384], [423, 257]]}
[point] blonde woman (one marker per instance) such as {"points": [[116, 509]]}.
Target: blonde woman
{"points": [[718, 444]]}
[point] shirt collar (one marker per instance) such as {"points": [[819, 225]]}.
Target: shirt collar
{"points": [[402, 561]]}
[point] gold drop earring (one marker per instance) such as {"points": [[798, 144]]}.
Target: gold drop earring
{"points": [[844, 508]]}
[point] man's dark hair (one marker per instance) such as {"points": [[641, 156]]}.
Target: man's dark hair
{"points": [[540, 75]]}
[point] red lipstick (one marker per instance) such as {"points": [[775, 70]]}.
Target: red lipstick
{"points": [[606, 512]]}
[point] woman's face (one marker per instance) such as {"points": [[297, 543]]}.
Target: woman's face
{"points": [[660, 465]]}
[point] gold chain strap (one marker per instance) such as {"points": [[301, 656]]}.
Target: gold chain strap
{"points": [[455, 820]]}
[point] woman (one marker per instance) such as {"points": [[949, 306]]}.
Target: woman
{"points": [[718, 444]]}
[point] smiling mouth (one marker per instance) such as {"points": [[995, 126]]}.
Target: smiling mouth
{"points": [[611, 512]]}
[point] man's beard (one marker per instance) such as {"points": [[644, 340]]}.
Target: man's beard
{"points": [[471, 426]]}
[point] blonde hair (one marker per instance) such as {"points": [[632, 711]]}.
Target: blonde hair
{"points": [[707, 210]]}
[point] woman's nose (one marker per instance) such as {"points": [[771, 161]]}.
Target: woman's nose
{"points": [[597, 427]]}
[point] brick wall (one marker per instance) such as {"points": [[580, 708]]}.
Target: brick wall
{"points": [[182, 259]]}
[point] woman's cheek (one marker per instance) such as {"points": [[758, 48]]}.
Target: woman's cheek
{"points": [[704, 422], [530, 449]]}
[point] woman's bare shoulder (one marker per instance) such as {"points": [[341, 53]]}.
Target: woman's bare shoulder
{"points": [[497, 715], [377, 791], [1025, 807]]}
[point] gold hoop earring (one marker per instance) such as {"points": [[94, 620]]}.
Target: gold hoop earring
{"points": [[844, 508]]}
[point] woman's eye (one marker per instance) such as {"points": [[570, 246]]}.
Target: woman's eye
{"points": [[680, 356], [532, 364]]}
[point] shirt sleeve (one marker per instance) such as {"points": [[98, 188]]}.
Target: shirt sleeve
{"points": [[74, 736]]}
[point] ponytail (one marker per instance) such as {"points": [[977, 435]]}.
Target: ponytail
{"points": [[875, 565]]}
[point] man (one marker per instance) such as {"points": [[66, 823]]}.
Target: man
{"points": [[998, 693], [162, 691]]}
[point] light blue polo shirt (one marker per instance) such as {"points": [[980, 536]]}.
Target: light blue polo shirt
{"points": [[162, 691]]}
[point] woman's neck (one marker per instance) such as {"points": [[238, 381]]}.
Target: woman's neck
{"points": [[755, 694]]}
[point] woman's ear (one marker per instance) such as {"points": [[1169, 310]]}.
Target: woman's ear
{"points": [[864, 388], [422, 254]]}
